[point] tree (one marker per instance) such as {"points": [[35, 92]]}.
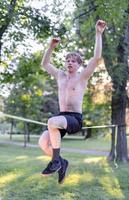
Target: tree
{"points": [[33, 94], [26, 97], [115, 52], [19, 22]]}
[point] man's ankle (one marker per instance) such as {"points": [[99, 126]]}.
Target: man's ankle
{"points": [[56, 154]]}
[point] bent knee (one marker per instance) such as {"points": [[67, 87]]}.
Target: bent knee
{"points": [[43, 140], [43, 144], [51, 122], [55, 123]]}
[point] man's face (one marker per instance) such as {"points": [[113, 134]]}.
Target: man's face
{"points": [[71, 64]]}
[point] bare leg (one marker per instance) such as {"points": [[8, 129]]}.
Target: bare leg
{"points": [[54, 124], [45, 144], [53, 137]]}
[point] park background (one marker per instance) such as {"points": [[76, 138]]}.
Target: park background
{"points": [[26, 28]]}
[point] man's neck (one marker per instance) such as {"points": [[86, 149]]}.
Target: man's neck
{"points": [[71, 75]]}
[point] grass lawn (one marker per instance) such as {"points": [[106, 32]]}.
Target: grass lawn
{"points": [[88, 178], [100, 143]]}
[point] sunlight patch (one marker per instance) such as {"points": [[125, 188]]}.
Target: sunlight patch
{"points": [[8, 178], [46, 158], [21, 157], [88, 177], [74, 179], [34, 177], [112, 186], [93, 160]]}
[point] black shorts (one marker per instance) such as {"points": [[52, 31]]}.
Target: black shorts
{"points": [[74, 122]]}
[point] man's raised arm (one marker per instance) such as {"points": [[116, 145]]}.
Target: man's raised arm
{"points": [[46, 58], [93, 62]]}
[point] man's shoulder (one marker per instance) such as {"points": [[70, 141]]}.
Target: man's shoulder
{"points": [[61, 72]]}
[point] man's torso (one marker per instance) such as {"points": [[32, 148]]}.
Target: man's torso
{"points": [[70, 92]]}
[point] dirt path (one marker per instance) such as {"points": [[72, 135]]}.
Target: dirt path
{"points": [[70, 150]]}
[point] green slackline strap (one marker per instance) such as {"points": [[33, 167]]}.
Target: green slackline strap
{"points": [[21, 118], [103, 126], [44, 124]]}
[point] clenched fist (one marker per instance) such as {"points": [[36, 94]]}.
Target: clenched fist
{"points": [[100, 26], [54, 42]]}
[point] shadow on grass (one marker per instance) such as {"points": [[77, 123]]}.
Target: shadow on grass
{"points": [[89, 178]]}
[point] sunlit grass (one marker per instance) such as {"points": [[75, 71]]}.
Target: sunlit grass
{"points": [[88, 178], [102, 143], [75, 178], [93, 160], [112, 186], [8, 178], [45, 158], [21, 157]]}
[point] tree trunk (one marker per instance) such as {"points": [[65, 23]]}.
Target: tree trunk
{"points": [[118, 118], [89, 133], [121, 148], [119, 98], [28, 133], [112, 155], [25, 134], [11, 131]]}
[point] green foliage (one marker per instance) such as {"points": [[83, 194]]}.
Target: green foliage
{"points": [[115, 45], [93, 113], [34, 93], [119, 75], [88, 12], [20, 22], [26, 97]]}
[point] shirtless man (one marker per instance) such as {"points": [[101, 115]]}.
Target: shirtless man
{"points": [[71, 88]]}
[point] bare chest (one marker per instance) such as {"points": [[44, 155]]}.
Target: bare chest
{"points": [[66, 84]]}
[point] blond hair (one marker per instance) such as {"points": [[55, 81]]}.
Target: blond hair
{"points": [[75, 55]]}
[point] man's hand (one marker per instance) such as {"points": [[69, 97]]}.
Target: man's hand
{"points": [[100, 26], [54, 42]]}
